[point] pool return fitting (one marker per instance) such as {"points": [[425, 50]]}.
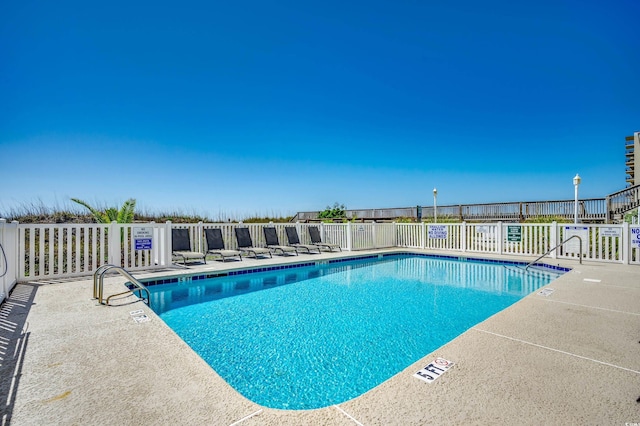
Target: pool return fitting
{"points": [[98, 285]]}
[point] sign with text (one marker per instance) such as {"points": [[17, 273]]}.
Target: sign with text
{"points": [[483, 229], [514, 233], [610, 231], [433, 370], [634, 233], [142, 237], [438, 232], [573, 245]]}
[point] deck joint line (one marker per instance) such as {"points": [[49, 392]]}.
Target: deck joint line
{"points": [[591, 307], [348, 415], [246, 417], [558, 350]]}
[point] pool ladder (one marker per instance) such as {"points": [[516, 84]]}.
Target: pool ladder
{"points": [[98, 284], [573, 236]]}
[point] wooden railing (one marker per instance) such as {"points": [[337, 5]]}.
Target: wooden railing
{"points": [[623, 201], [592, 210]]}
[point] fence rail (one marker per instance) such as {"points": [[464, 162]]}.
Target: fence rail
{"points": [[51, 251], [593, 210]]}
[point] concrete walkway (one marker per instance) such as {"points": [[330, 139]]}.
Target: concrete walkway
{"points": [[571, 357]]}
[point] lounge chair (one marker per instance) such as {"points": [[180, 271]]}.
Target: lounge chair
{"points": [[294, 240], [181, 246], [245, 243], [215, 244], [273, 242], [314, 233]]}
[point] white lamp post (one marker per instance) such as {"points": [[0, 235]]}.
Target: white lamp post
{"points": [[576, 182], [435, 206]]}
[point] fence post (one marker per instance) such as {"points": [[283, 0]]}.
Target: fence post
{"points": [[9, 254], [499, 237], [114, 249], [154, 261], [521, 218], [626, 244], [348, 236], [375, 245], [553, 235], [423, 235], [4, 263], [395, 234], [463, 236], [199, 238], [168, 242]]}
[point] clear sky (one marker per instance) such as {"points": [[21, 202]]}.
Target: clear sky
{"points": [[232, 108]]}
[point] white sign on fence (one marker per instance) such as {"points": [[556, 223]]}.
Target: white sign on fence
{"points": [[142, 237], [483, 229], [610, 231], [438, 232], [635, 237], [573, 245]]}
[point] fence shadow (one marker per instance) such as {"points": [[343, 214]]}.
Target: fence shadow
{"points": [[14, 339]]}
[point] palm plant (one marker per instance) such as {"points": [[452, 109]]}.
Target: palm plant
{"points": [[123, 215]]}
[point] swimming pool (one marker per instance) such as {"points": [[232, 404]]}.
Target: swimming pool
{"points": [[317, 335]]}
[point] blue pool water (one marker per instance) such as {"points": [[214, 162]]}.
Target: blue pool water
{"points": [[315, 336]]}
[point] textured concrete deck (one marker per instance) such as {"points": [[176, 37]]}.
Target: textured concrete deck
{"points": [[572, 357]]}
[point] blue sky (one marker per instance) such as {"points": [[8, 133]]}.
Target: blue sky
{"points": [[252, 107]]}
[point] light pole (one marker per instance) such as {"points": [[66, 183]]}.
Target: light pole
{"points": [[435, 206], [576, 182]]}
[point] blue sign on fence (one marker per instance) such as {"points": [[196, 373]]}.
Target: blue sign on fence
{"points": [[143, 244], [635, 237], [142, 238]]}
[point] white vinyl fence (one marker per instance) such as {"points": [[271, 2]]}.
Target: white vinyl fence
{"points": [[55, 250], [52, 251]]}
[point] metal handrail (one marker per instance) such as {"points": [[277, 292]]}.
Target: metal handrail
{"points": [[98, 284], [95, 278], [546, 253]]}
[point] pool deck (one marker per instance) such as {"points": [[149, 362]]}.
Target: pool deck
{"points": [[570, 357]]}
